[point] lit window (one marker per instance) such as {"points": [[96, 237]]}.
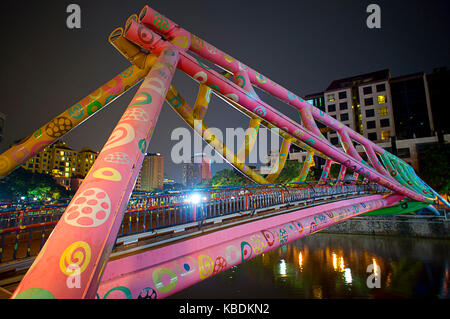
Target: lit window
{"points": [[67, 174], [62, 153], [385, 135], [67, 163], [383, 111], [381, 99], [330, 98]]}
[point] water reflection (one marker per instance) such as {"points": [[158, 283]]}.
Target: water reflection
{"points": [[336, 266]]}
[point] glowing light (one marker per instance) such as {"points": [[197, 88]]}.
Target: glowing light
{"points": [[348, 276], [283, 268], [375, 268], [22, 198], [300, 260], [334, 261], [341, 264], [195, 198]]}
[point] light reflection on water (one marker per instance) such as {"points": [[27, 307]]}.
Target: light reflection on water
{"points": [[335, 266]]}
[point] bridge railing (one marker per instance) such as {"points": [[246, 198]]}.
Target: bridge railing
{"points": [[23, 233]]}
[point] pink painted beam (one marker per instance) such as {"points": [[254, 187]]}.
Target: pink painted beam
{"points": [[326, 171], [147, 39], [71, 263], [163, 271], [173, 32]]}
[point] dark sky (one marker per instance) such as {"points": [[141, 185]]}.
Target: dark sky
{"points": [[302, 45]]}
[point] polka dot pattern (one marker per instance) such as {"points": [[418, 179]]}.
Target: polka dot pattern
{"points": [[90, 209]]}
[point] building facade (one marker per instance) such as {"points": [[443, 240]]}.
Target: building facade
{"points": [[59, 160], [397, 113], [364, 104], [438, 85], [151, 176], [412, 107]]}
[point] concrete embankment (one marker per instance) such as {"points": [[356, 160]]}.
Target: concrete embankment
{"points": [[397, 225]]}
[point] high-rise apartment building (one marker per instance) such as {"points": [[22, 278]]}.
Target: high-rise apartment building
{"points": [[438, 86], [412, 108], [59, 160], [362, 103], [151, 176]]}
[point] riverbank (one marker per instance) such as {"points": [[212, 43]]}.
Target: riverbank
{"points": [[397, 225]]}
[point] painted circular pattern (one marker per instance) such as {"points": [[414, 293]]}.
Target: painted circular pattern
{"points": [[77, 255], [58, 127], [35, 293], [220, 264], [89, 209], [135, 114], [147, 293], [4, 164], [117, 157], [76, 111]]}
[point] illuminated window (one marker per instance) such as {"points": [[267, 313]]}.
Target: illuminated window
{"points": [[62, 153], [67, 174], [381, 99], [385, 135], [383, 111], [67, 164], [330, 98]]}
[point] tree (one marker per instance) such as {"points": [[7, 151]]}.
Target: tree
{"points": [[434, 163], [229, 177], [22, 182]]}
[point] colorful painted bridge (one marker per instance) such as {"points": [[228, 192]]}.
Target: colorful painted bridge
{"points": [[75, 260]]}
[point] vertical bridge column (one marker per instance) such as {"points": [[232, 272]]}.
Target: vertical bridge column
{"points": [[326, 171], [80, 245]]}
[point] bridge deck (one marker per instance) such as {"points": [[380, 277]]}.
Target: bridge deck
{"points": [[12, 272]]}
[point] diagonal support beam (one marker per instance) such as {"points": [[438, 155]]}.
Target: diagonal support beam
{"points": [[282, 157], [72, 117], [85, 234]]}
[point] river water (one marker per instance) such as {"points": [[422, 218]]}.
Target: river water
{"points": [[336, 266]]}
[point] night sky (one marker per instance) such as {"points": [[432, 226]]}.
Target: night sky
{"points": [[302, 45]]}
